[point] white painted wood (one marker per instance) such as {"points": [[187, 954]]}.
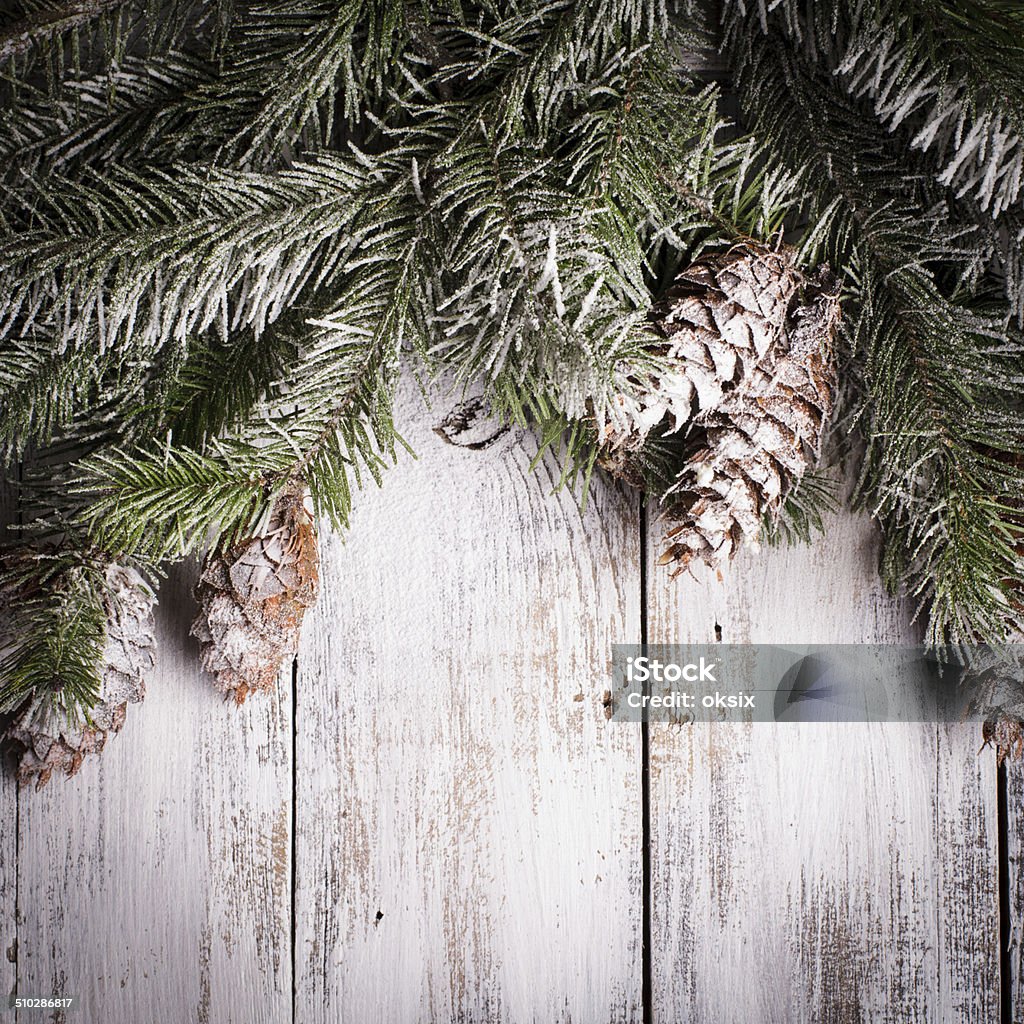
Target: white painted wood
{"points": [[155, 885], [469, 823], [8, 818], [816, 872], [967, 834], [8, 881], [1015, 882], [455, 774]]}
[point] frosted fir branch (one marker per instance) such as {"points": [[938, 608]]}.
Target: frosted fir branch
{"points": [[502, 318], [52, 20], [218, 385], [350, 366], [157, 259], [549, 278], [949, 74], [54, 628], [290, 66], [40, 391], [137, 109], [979, 145], [932, 377], [325, 422], [307, 402]]}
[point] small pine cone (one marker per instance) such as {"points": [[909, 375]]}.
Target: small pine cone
{"points": [[721, 317], [1007, 735], [760, 439], [50, 742], [253, 597], [623, 463]]}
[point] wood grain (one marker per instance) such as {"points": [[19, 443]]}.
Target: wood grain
{"points": [[8, 880], [155, 885], [821, 873], [8, 816], [469, 823], [1014, 810]]}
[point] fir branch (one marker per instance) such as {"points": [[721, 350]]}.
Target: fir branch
{"points": [[532, 291], [938, 379], [99, 44], [327, 436], [156, 505], [536, 56], [318, 426], [642, 145], [53, 616], [803, 513], [331, 413], [40, 391], [948, 71], [167, 256], [219, 384], [50, 21], [137, 111], [288, 65], [936, 56]]}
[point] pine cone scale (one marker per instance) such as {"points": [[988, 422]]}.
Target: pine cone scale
{"points": [[748, 339], [718, 320], [761, 438], [50, 741], [253, 598]]}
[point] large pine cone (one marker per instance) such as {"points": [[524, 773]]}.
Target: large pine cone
{"points": [[253, 597], [757, 442], [49, 740], [720, 318]]}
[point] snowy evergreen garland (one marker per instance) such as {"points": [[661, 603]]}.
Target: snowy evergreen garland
{"points": [[227, 228]]}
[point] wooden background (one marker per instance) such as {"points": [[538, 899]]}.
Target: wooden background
{"points": [[434, 821]]}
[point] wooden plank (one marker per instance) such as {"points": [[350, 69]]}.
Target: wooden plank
{"points": [[968, 842], [8, 813], [816, 872], [469, 823], [1014, 866], [155, 885], [8, 881]]}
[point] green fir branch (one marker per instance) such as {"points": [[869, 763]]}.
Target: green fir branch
{"points": [[53, 617], [938, 378], [49, 21], [289, 66], [949, 72], [155, 259]]}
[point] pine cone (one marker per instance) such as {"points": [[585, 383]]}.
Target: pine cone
{"points": [[1007, 734], [720, 318], [50, 742], [756, 443], [253, 598]]}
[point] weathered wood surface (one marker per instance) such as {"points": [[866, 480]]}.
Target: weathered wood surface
{"points": [[155, 885], [454, 773], [1014, 897], [816, 872], [8, 881], [8, 820], [469, 838]]}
